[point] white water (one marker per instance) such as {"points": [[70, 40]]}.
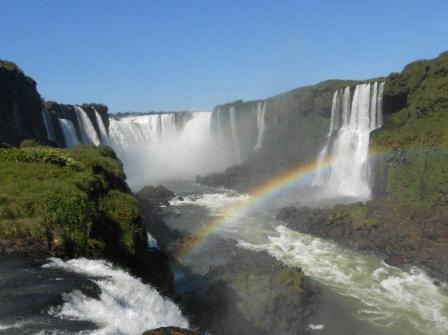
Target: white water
{"points": [[125, 306], [87, 130], [385, 296], [155, 149], [103, 132], [235, 136], [261, 126], [14, 325], [348, 141], [376, 298], [214, 201], [69, 133], [335, 116], [48, 124]]}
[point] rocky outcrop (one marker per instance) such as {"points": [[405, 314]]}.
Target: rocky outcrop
{"points": [[402, 236], [24, 115], [252, 293], [20, 107], [150, 199]]}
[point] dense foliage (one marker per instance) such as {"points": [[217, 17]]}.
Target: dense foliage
{"points": [[415, 134], [66, 201]]}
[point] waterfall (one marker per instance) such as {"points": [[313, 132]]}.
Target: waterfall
{"points": [[154, 149], [69, 132], [346, 106], [168, 124], [88, 133], [235, 137], [103, 132], [261, 110], [380, 105], [219, 123], [334, 121], [48, 124], [348, 141]]}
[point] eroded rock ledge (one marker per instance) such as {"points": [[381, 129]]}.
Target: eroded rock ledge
{"points": [[402, 236]]}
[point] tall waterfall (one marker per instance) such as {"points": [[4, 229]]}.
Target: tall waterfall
{"points": [[235, 136], [156, 148], [88, 133], [348, 141], [261, 111], [69, 132], [48, 124], [103, 132]]}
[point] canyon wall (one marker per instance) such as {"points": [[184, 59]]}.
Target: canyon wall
{"points": [[20, 106]]}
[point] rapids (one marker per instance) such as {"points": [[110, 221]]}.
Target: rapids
{"points": [[360, 293]]}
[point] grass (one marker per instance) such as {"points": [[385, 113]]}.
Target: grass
{"points": [[58, 198]]}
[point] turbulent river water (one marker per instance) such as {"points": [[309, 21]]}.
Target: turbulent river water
{"points": [[360, 294]]}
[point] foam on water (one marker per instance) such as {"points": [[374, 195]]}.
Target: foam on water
{"points": [[315, 327], [216, 202], [387, 296], [13, 325], [125, 305]]}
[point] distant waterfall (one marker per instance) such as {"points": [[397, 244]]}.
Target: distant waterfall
{"points": [[235, 136], [48, 124], [219, 126], [261, 111], [168, 124], [348, 140], [87, 130], [69, 132], [141, 130], [103, 132], [155, 147]]}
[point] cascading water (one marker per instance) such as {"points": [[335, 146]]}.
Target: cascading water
{"points": [[154, 148], [261, 126], [235, 136], [103, 132], [88, 133], [48, 124], [168, 124], [69, 132], [348, 141]]}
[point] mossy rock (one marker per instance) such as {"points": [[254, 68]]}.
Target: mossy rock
{"points": [[56, 199], [414, 140]]}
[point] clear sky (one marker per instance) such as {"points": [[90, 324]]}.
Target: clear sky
{"points": [[145, 55]]}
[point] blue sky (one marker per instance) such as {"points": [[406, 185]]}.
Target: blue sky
{"points": [[172, 55]]}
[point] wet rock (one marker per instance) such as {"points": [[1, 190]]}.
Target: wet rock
{"points": [[170, 331], [394, 260], [158, 195], [400, 235], [252, 293], [150, 201]]}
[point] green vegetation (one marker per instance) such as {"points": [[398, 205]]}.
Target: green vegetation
{"points": [[415, 133], [66, 201]]}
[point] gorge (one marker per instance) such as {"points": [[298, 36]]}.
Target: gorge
{"points": [[321, 210]]}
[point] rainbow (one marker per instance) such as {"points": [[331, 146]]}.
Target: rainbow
{"points": [[280, 183]]}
